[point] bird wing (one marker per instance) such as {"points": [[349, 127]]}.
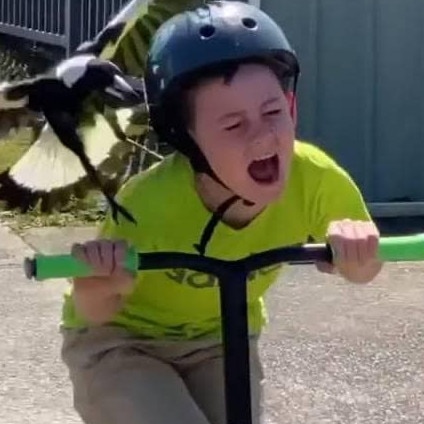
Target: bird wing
{"points": [[47, 165]]}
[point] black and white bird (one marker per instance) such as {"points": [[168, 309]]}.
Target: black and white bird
{"points": [[71, 145], [83, 92]]}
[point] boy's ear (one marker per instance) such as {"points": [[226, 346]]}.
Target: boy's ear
{"points": [[292, 101]]}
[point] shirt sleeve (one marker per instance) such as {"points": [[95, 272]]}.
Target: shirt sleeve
{"points": [[337, 198]]}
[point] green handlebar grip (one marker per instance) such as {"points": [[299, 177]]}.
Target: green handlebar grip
{"points": [[402, 248], [43, 267]]}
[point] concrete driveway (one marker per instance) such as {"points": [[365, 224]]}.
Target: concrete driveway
{"points": [[333, 353]]}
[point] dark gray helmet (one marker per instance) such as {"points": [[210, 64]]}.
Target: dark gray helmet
{"points": [[216, 32]]}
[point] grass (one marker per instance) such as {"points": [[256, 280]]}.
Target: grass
{"points": [[12, 148], [77, 213]]}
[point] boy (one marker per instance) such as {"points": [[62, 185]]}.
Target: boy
{"points": [[221, 85]]}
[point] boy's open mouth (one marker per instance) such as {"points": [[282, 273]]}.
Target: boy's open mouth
{"points": [[265, 171]]}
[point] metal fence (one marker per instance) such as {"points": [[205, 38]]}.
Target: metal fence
{"points": [[64, 23]]}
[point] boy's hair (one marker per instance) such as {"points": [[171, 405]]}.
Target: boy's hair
{"points": [[177, 102]]}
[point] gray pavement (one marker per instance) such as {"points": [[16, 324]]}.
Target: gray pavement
{"points": [[333, 353], [33, 382]]}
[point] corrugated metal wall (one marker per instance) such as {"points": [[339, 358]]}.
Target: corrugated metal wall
{"points": [[362, 87]]}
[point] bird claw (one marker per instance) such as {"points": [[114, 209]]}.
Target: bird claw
{"points": [[117, 209]]}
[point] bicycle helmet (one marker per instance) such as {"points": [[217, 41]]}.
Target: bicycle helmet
{"points": [[194, 42]]}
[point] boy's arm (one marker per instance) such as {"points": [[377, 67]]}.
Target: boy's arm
{"points": [[340, 216], [337, 197], [93, 305]]}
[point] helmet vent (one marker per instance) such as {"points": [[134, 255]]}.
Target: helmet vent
{"points": [[249, 23], [207, 31]]}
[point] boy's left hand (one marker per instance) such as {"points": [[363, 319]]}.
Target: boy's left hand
{"points": [[355, 250]]}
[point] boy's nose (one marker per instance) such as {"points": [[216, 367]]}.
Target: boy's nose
{"points": [[265, 135]]}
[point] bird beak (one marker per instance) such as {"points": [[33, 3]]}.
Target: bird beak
{"points": [[124, 92]]}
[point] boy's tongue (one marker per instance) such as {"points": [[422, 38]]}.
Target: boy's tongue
{"points": [[264, 171]]}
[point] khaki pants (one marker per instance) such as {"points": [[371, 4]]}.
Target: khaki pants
{"points": [[119, 379]]}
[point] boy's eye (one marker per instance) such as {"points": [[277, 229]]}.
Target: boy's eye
{"points": [[232, 126], [273, 112]]}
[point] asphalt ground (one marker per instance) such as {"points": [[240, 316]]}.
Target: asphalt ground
{"points": [[334, 352]]}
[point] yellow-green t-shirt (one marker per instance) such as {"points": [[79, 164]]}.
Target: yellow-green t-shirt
{"points": [[184, 304]]}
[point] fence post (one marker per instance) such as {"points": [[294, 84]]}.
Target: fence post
{"points": [[73, 24]]}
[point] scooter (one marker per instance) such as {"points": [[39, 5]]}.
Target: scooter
{"points": [[233, 277]]}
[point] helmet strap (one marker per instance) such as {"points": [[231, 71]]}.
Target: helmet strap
{"points": [[200, 164]]}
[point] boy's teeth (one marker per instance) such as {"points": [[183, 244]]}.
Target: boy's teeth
{"points": [[265, 157]]}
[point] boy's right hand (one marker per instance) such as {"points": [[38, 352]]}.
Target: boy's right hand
{"points": [[106, 258]]}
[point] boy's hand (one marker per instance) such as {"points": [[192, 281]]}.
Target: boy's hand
{"points": [[106, 258], [355, 250]]}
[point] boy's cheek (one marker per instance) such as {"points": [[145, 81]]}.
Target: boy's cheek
{"points": [[229, 165]]}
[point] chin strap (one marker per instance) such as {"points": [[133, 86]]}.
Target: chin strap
{"points": [[200, 164], [213, 222]]}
